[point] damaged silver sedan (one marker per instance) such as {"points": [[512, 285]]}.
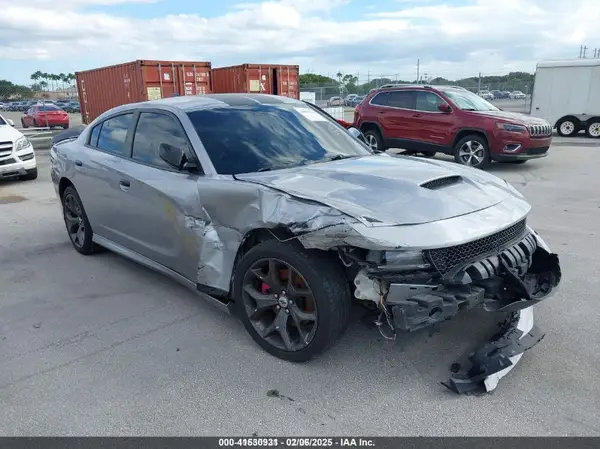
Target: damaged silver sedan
{"points": [[270, 208]]}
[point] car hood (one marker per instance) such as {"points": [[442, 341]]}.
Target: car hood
{"points": [[8, 133], [384, 190], [514, 117]]}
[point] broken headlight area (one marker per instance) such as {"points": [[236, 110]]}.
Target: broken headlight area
{"points": [[412, 293]]}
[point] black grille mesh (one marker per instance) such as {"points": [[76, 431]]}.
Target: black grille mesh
{"points": [[444, 259]]}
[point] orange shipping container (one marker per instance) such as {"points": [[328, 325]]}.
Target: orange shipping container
{"points": [[107, 87], [257, 78]]}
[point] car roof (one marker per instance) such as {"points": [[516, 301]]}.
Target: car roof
{"points": [[190, 103]]}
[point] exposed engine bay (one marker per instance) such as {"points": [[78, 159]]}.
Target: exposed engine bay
{"points": [[509, 271]]}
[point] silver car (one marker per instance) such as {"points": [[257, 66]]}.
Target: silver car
{"points": [[272, 210]]}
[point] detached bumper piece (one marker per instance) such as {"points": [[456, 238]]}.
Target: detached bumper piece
{"points": [[496, 358], [512, 281]]}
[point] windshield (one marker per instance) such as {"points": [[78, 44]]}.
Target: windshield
{"points": [[246, 139], [468, 101], [2, 122]]}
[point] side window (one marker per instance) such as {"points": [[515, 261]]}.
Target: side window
{"points": [[94, 135], [114, 132], [428, 102], [152, 130], [380, 99], [404, 99]]}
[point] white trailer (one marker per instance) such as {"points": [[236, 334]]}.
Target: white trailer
{"points": [[567, 94]]}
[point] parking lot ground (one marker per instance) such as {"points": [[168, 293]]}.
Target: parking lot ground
{"points": [[100, 346]]}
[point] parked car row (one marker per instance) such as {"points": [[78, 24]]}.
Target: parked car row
{"points": [[500, 95], [22, 106]]}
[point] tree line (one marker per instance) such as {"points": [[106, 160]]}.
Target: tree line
{"points": [[349, 84], [42, 80]]}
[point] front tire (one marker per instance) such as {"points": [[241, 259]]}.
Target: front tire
{"points": [[472, 151], [293, 302], [77, 223]]}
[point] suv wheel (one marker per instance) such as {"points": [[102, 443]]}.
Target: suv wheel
{"points": [[294, 303], [472, 151], [373, 139]]}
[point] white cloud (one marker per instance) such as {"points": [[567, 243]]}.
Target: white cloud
{"points": [[450, 40]]}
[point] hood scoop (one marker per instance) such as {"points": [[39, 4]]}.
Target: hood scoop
{"points": [[439, 183]]}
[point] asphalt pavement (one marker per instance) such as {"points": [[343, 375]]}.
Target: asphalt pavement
{"points": [[101, 346]]}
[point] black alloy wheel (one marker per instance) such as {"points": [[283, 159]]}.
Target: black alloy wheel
{"points": [[280, 304], [78, 226], [295, 303]]}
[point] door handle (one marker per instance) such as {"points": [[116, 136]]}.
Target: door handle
{"points": [[416, 115], [79, 163]]}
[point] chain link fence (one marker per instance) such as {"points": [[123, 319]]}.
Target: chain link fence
{"points": [[501, 87]]}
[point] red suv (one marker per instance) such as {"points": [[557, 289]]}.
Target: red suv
{"points": [[450, 120]]}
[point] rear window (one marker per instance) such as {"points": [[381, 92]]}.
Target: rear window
{"points": [[48, 107]]}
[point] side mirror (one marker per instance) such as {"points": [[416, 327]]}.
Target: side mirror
{"points": [[355, 132], [173, 156], [10, 122], [446, 109]]}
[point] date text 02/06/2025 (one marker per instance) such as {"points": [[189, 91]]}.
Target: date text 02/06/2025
{"points": [[296, 442]]}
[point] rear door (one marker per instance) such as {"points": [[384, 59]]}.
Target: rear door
{"points": [[399, 118], [98, 169], [160, 210]]}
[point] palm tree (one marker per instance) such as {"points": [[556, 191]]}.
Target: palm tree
{"points": [[46, 77], [36, 76]]}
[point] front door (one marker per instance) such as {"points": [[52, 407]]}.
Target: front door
{"points": [[434, 127], [161, 208]]}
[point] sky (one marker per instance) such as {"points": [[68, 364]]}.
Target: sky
{"points": [[369, 38]]}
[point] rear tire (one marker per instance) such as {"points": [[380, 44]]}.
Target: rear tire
{"points": [[65, 127], [567, 127], [23, 124], [77, 223], [374, 140], [592, 130], [323, 299], [472, 151]]}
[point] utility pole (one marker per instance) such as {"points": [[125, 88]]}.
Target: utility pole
{"points": [[580, 51], [479, 83], [418, 69], [584, 50]]}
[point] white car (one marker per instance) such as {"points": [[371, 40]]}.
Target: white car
{"points": [[17, 158], [517, 95], [335, 101], [486, 95]]}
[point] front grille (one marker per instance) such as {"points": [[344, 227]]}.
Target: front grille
{"points": [[441, 182], [444, 259], [6, 148], [7, 161], [540, 130]]}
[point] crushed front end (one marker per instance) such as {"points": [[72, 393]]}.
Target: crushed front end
{"points": [[509, 271]]}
